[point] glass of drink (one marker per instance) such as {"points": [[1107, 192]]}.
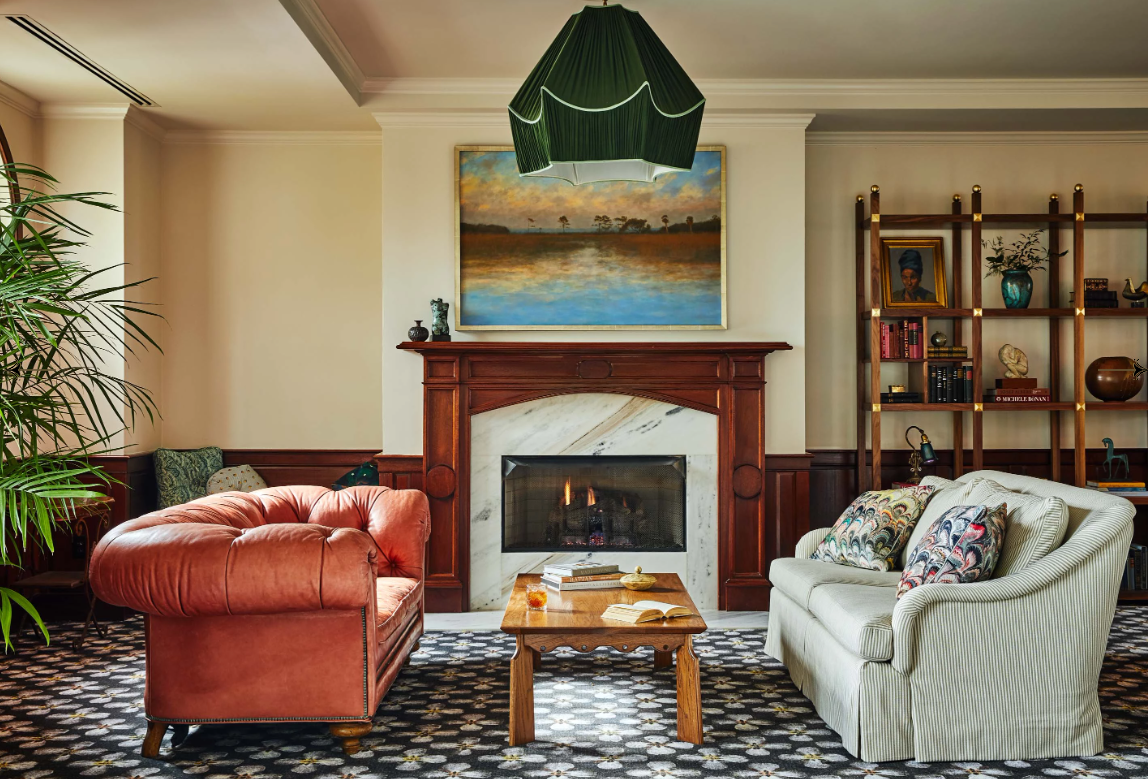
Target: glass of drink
{"points": [[536, 597]]}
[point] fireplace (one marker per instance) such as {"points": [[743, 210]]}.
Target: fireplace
{"points": [[594, 503]]}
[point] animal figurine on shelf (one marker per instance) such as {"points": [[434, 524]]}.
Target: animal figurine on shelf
{"points": [[1015, 362], [440, 330], [1137, 296], [1112, 457]]}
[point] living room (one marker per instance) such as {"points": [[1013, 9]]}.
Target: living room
{"points": [[367, 363]]}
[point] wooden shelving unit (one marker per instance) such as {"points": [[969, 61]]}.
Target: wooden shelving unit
{"points": [[870, 313]]}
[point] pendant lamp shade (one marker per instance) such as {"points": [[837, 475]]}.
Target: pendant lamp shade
{"points": [[607, 102]]}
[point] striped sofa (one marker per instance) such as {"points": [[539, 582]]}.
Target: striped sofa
{"points": [[997, 670]]}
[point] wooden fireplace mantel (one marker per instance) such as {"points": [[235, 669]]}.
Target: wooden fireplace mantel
{"points": [[727, 379]]}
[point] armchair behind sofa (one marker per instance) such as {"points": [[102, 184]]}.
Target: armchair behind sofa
{"points": [[285, 604], [1002, 669]]}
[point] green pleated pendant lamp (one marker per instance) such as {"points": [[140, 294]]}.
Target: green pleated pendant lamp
{"points": [[607, 102]]}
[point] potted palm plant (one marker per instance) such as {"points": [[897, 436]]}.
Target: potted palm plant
{"points": [[59, 405], [1014, 264]]}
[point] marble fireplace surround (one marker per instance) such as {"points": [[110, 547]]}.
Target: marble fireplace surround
{"points": [[725, 381], [591, 424]]}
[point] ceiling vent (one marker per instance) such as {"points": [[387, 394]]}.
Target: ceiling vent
{"points": [[43, 34]]}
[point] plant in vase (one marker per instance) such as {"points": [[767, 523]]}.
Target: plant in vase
{"points": [[1014, 264]]}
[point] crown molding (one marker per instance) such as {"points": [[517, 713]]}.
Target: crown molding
{"points": [[464, 117], [144, 123], [461, 117], [1042, 138], [90, 111], [719, 118], [310, 19], [790, 88], [274, 138], [17, 100]]}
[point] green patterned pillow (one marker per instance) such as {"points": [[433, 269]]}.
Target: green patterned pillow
{"points": [[182, 476], [874, 529], [366, 474]]}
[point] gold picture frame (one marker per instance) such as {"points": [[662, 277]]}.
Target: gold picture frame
{"points": [[713, 292], [926, 270]]}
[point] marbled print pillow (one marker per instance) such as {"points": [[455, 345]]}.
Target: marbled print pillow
{"points": [[873, 530], [963, 545]]}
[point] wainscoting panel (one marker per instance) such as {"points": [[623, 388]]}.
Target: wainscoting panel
{"points": [[283, 467]]}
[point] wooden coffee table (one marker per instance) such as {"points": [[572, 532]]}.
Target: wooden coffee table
{"points": [[574, 619]]}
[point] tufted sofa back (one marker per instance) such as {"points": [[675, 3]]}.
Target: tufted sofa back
{"points": [[398, 521]]}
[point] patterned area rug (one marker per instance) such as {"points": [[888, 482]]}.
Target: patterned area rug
{"points": [[67, 713]]}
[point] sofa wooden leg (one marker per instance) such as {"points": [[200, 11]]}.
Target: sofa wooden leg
{"points": [[407, 659], [153, 739], [349, 734]]}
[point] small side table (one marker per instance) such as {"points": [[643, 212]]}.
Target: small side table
{"points": [[91, 520]]}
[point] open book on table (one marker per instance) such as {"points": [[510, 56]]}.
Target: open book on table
{"points": [[645, 611]]}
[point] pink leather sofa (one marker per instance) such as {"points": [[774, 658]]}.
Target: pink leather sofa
{"points": [[286, 604]]}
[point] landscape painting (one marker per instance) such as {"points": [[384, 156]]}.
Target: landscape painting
{"points": [[539, 253]]}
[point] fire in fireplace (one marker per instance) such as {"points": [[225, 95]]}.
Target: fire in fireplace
{"points": [[566, 504]]}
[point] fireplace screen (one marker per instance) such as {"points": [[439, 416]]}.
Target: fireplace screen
{"points": [[562, 504]]}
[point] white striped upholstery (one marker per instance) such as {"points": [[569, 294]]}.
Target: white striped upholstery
{"points": [[1034, 526], [799, 578], [1005, 669], [859, 616]]}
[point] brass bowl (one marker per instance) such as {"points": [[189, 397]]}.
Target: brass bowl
{"points": [[638, 580]]}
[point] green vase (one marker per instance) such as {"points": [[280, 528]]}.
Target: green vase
{"points": [[1016, 288]]}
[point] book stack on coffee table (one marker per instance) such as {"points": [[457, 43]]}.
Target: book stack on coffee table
{"points": [[1017, 391], [582, 576]]}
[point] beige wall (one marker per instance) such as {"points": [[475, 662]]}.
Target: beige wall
{"points": [[272, 291], [765, 214], [142, 160], [86, 154], [1016, 176], [22, 132]]}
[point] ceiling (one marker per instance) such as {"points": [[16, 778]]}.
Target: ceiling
{"points": [[220, 64], [249, 65], [774, 39]]}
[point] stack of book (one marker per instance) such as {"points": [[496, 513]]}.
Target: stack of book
{"points": [[1097, 298], [582, 576], [1136, 569], [1123, 488], [1017, 391], [948, 352], [900, 397], [902, 340], [950, 384]]}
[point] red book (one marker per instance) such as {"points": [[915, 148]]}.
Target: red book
{"points": [[1042, 392]]}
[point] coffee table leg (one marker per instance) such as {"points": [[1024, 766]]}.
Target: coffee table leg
{"points": [[522, 694], [537, 658], [689, 694], [663, 659]]}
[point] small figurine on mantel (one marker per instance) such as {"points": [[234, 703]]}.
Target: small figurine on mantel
{"points": [[440, 330], [1015, 362]]}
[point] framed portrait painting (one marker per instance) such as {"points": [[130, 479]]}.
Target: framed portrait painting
{"points": [[541, 254], [913, 273]]}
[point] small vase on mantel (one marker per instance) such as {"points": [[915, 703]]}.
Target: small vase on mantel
{"points": [[418, 332], [1016, 288]]}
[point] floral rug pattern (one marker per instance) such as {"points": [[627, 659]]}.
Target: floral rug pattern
{"points": [[78, 713]]}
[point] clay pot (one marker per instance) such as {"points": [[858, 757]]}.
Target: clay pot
{"points": [[1114, 379], [418, 332]]}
